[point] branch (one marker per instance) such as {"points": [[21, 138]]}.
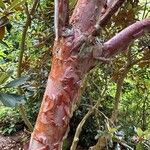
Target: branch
{"points": [[61, 16], [22, 49], [118, 93], [79, 129], [129, 65], [56, 19], [86, 15], [24, 33], [110, 11], [23, 39], [81, 124], [116, 44], [34, 7], [85, 22], [121, 41]]}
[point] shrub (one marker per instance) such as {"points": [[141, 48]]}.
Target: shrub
{"points": [[10, 121]]}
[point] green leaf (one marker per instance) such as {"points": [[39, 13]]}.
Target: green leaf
{"points": [[147, 134], [15, 4], [2, 5], [4, 43], [17, 82], [112, 130], [140, 133], [139, 146], [4, 76], [11, 100], [72, 3]]}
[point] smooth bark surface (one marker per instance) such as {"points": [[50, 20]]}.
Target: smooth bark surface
{"points": [[69, 67]]}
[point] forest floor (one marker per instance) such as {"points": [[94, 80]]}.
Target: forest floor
{"points": [[14, 142], [17, 141]]}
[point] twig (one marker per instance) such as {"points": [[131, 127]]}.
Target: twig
{"points": [[22, 49], [144, 10], [80, 125], [129, 65], [79, 129], [23, 39]]}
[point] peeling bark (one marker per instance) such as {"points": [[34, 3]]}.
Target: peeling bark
{"points": [[64, 82], [68, 70], [62, 89]]}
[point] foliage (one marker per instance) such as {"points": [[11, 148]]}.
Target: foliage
{"points": [[10, 99], [126, 138], [10, 121]]}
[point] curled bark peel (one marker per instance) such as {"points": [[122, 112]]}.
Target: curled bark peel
{"points": [[68, 70]]}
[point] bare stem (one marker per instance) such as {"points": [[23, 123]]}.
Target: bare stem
{"points": [[80, 125], [22, 49], [129, 65]]}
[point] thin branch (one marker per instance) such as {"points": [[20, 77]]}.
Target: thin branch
{"points": [[34, 7], [56, 20], [144, 9], [129, 65], [23, 39], [22, 49], [118, 93], [119, 85], [61, 16], [110, 12], [79, 129], [80, 125], [24, 33]]}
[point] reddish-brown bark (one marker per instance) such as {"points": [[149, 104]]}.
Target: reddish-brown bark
{"points": [[62, 89], [64, 81], [68, 70], [120, 42]]}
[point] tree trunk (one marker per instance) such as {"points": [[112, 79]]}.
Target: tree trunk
{"points": [[64, 81], [62, 90], [69, 65]]}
